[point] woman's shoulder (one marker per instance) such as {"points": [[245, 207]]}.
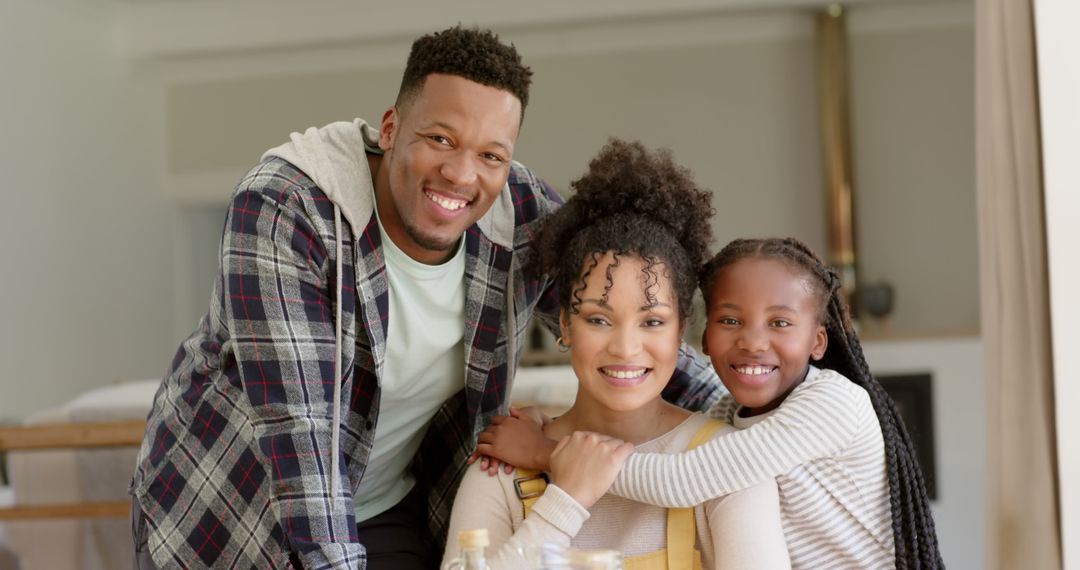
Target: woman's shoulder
{"points": [[697, 426], [478, 483]]}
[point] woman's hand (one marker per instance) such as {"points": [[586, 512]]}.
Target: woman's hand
{"points": [[585, 464], [514, 441]]}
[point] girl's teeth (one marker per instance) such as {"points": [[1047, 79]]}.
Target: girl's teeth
{"points": [[753, 370], [446, 202], [623, 374]]}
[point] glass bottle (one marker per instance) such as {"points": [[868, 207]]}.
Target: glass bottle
{"points": [[553, 557], [471, 544]]}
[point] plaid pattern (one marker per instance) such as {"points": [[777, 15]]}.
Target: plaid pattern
{"points": [[234, 468]]}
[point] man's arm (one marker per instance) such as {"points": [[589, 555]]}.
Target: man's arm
{"points": [[279, 306], [695, 385], [545, 200]]}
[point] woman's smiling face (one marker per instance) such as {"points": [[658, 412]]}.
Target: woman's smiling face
{"points": [[624, 338]]}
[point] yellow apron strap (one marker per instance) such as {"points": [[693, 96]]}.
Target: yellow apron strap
{"points": [[530, 485], [681, 527], [705, 433]]}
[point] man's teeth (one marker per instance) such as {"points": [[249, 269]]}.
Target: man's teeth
{"points": [[624, 374], [753, 370], [447, 203]]}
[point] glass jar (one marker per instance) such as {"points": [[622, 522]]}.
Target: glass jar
{"points": [[472, 544], [552, 557]]}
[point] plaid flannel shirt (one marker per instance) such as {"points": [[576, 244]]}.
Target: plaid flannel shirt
{"points": [[234, 469]]}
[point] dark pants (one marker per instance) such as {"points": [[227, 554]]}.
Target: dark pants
{"points": [[396, 539], [399, 538]]}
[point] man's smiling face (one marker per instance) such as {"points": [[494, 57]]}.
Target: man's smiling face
{"points": [[447, 158]]}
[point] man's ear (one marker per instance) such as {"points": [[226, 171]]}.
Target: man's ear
{"points": [[388, 128], [821, 342]]}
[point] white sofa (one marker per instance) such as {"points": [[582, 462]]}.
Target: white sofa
{"points": [[101, 475], [64, 476]]}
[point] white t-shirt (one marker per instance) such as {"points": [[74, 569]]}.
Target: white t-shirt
{"points": [[425, 366]]}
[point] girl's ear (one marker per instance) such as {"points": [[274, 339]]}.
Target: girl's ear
{"points": [[705, 341], [821, 342]]}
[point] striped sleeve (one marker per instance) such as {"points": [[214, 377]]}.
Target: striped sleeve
{"points": [[486, 502], [819, 419]]}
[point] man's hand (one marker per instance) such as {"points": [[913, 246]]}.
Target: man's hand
{"points": [[585, 464], [514, 441], [530, 413]]}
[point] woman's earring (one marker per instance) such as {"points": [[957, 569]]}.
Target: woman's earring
{"points": [[563, 347]]}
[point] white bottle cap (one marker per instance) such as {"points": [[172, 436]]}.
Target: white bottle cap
{"points": [[475, 538]]}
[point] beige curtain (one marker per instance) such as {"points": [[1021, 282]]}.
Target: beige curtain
{"points": [[1022, 519]]}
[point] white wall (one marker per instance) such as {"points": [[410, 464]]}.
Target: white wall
{"points": [[85, 289], [730, 111], [913, 94], [1056, 22], [959, 402]]}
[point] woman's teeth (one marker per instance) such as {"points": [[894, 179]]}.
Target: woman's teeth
{"points": [[625, 374]]}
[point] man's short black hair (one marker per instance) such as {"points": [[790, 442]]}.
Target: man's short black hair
{"points": [[474, 54]]}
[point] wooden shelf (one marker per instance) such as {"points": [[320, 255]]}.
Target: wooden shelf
{"points": [[71, 436], [110, 509], [68, 436]]}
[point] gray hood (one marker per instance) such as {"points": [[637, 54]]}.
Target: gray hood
{"points": [[334, 157]]}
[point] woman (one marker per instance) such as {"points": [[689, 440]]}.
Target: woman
{"points": [[624, 252]]}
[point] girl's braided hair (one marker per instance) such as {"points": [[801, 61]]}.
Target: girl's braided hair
{"points": [[631, 202], [913, 526]]}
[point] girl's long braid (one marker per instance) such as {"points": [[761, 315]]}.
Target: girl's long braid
{"points": [[914, 537]]}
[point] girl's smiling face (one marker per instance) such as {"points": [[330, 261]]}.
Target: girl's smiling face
{"points": [[763, 330], [624, 342]]}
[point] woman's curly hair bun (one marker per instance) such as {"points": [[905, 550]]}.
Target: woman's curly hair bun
{"points": [[626, 177], [629, 190]]}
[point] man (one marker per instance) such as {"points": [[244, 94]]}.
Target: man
{"points": [[365, 326]]}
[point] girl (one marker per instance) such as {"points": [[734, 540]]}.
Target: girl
{"points": [[811, 416], [623, 252]]}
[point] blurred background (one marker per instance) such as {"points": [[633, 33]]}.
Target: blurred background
{"points": [[124, 125]]}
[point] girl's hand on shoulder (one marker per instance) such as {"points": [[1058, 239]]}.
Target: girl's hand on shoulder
{"points": [[585, 464], [514, 441]]}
